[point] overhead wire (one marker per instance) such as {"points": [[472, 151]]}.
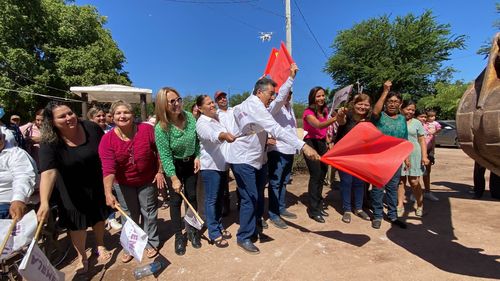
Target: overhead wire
{"points": [[34, 81], [41, 95], [310, 30]]}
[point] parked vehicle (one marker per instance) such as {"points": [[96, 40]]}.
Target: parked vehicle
{"points": [[448, 134]]}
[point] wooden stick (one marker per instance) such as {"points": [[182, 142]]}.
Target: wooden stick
{"points": [[122, 212], [9, 232], [39, 230], [191, 207]]}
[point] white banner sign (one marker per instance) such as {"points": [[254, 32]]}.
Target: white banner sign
{"points": [[22, 234], [133, 239], [340, 96], [36, 267]]}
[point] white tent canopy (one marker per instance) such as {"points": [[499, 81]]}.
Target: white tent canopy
{"points": [[112, 92]]}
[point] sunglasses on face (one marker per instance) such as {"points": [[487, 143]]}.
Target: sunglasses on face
{"points": [[174, 101]]}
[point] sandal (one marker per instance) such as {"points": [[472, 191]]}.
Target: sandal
{"points": [[219, 242], [126, 257], [151, 252], [226, 234], [83, 268], [103, 255]]}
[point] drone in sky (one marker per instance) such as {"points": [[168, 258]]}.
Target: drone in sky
{"points": [[265, 36]]}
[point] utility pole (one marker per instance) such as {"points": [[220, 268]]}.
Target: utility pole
{"points": [[288, 24]]}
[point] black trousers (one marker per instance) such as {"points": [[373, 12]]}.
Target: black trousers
{"points": [[185, 172], [480, 182], [317, 173]]}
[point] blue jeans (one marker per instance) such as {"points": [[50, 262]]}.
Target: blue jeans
{"points": [[214, 182], [251, 187], [348, 184], [280, 168], [4, 211], [391, 190]]}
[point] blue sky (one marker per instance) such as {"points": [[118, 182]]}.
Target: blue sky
{"points": [[200, 48]]}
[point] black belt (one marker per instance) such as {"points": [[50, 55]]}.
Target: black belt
{"points": [[187, 159]]}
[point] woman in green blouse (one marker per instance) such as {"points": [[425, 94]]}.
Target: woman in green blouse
{"points": [[179, 149]]}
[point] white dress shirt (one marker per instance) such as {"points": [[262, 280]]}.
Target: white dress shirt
{"points": [[226, 118], [285, 116], [211, 148], [17, 175], [252, 123]]}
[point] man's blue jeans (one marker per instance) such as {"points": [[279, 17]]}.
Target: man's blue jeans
{"points": [[251, 183], [4, 211], [349, 184], [280, 168], [391, 190], [214, 182]]}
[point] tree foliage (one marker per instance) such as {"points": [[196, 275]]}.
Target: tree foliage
{"points": [[47, 46], [238, 98], [409, 50], [446, 99], [485, 48]]}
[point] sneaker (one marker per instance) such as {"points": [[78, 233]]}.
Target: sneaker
{"points": [[279, 223], [419, 212], [399, 223], [376, 223], [262, 223], [401, 211], [362, 214], [114, 224], [430, 196], [288, 215], [346, 217]]}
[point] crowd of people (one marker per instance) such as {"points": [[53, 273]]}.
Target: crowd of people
{"points": [[88, 168]]}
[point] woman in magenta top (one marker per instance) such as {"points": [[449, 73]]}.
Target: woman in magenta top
{"points": [[129, 157], [316, 122]]}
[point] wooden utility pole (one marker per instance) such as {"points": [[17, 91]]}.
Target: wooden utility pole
{"points": [[288, 24]]}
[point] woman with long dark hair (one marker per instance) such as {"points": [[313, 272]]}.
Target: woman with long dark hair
{"points": [[70, 161], [316, 122]]}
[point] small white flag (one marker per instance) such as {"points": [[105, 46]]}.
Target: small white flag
{"points": [[192, 219], [22, 234], [36, 267], [133, 239], [340, 96]]}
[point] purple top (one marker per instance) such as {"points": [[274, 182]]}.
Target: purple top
{"points": [[134, 162], [314, 133]]}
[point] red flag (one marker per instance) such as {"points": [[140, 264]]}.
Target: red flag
{"points": [[270, 62], [368, 154], [280, 70]]}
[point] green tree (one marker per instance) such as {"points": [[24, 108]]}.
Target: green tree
{"points": [[409, 50], [47, 46], [298, 109], [188, 102], [485, 48], [446, 99], [238, 98]]}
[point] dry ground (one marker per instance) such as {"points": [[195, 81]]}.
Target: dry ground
{"points": [[457, 239]]}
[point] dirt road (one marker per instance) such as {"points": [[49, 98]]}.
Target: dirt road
{"points": [[457, 239]]}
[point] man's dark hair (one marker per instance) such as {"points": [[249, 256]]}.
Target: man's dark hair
{"points": [[262, 83]]}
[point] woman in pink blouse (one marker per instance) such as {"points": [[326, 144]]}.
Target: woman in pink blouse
{"points": [[129, 157], [316, 122]]}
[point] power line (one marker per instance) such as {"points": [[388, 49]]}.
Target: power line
{"points": [[308, 27], [34, 81], [265, 10], [236, 19], [41, 95]]}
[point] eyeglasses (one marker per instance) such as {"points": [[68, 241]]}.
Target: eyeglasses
{"points": [[393, 102], [177, 100]]}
